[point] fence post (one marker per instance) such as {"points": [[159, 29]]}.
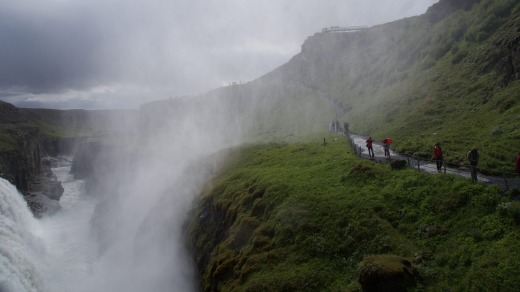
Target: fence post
{"points": [[324, 144], [505, 181], [418, 165]]}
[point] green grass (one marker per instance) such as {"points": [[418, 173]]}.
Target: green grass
{"points": [[417, 80], [303, 216], [459, 104]]}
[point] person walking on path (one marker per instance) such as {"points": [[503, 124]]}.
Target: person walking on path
{"points": [[438, 156], [386, 146], [518, 164], [473, 162], [369, 147]]}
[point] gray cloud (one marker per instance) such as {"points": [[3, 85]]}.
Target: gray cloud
{"points": [[62, 53]]}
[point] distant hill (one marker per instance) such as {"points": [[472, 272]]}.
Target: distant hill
{"points": [[28, 136]]}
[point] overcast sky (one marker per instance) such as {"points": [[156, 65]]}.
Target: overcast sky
{"points": [[98, 54]]}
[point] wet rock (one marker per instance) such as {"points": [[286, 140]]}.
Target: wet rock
{"points": [[398, 164], [41, 205]]}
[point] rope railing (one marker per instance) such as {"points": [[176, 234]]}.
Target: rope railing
{"points": [[506, 179]]}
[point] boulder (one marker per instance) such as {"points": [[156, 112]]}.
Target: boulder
{"points": [[398, 164], [387, 273]]}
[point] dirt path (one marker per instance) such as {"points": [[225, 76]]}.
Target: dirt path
{"points": [[427, 166]]}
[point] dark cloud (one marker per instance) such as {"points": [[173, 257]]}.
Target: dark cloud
{"points": [[53, 47]]}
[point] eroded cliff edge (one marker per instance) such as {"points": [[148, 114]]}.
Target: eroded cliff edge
{"points": [[30, 139]]}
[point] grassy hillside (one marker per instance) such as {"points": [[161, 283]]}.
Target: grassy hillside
{"points": [[57, 123], [305, 217], [456, 89], [445, 76]]}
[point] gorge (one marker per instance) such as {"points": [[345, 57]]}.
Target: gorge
{"points": [[234, 190]]}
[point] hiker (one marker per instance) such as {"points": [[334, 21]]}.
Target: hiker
{"points": [[437, 156], [369, 147], [345, 127], [473, 162], [386, 147], [518, 163]]}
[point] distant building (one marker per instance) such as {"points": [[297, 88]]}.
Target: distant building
{"points": [[343, 29]]}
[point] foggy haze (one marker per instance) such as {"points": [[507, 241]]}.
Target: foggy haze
{"points": [[126, 232], [120, 54]]}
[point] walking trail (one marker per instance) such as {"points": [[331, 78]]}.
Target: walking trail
{"points": [[428, 166]]}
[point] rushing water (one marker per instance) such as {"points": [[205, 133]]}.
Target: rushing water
{"points": [[62, 253], [47, 254], [66, 235], [20, 260]]}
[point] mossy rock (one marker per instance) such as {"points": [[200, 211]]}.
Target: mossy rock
{"points": [[387, 273], [398, 164]]}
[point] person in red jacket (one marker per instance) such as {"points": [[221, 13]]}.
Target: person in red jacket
{"points": [[438, 157], [369, 147], [518, 163]]}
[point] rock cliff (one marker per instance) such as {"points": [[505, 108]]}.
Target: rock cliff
{"points": [[25, 162]]}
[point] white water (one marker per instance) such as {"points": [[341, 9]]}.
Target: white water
{"points": [[69, 250], [20, 260], [53, 253], [62, 253]]}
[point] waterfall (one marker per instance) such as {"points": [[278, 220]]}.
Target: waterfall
{"points": [[20, 268], [71, 250]]}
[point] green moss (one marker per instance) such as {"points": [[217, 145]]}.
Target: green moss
{"points": [[308, 228]]}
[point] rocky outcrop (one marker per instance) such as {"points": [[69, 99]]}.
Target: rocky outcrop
{"points": [[23, 149], [44, 190], [387, 273], [21, 164], [27, 169]]}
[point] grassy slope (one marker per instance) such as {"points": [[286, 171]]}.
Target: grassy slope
{"points": [[451, 92], [302, 216], [459, 103], [420, 80]]}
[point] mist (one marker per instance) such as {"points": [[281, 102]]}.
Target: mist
{"points": [[114, 54], [125, 229]]}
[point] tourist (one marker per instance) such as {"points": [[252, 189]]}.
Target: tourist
{"points": [[473, 162], [369, 147], [386, 147], [438, 156]]}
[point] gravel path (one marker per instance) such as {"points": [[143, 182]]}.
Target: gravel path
{"points": [[427, 166]]}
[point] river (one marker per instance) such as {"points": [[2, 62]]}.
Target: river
{"points": [[61, 252]]}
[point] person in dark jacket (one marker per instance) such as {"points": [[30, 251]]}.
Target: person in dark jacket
{"points": [[438, 157], [369, 147], [473, 162]]}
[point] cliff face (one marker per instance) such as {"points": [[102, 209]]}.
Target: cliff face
{"points": [[29, 138], [24, 158], [20, 165], [26, 168]]}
